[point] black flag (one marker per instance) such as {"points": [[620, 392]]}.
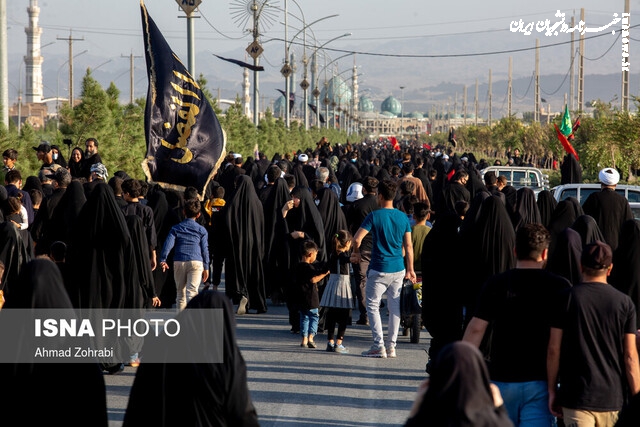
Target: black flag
{"points": [[185, 143], [315, 111], [292, 98], [242, 64]]}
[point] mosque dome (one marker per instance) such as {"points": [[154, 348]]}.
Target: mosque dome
{"points": [[388, 114], [338, 91], [391, 105], [415, 115], [365, 105]]}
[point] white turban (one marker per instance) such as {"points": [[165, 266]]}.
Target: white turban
{"points": [[609, 176]]}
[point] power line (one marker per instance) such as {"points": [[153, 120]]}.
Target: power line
{"points": [[564, 79], [216, 30], [607, 51], [527, 91]]}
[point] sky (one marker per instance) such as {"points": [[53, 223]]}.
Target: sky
{"points": [[111, 30]]}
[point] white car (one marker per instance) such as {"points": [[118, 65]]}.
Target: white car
{"points": [[521, 176], [582, 191]]}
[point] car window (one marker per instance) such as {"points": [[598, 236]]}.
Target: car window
{"points": [[633, 196], [506, 173], [520, 179], [569, 192], [533, 179], [586, 192]]}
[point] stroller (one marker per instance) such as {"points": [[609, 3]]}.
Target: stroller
{"points": [[411, 309]]}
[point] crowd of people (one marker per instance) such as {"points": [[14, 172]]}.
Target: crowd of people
{"points": [[538, 297]]}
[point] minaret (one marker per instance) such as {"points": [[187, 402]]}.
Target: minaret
{"points": [[33, 60], [245, 91]]}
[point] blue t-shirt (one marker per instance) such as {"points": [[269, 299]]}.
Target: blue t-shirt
{"points": [[387, 227]]}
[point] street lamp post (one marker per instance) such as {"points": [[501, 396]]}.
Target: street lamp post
{"points": [[316, 91], [305, 60]]}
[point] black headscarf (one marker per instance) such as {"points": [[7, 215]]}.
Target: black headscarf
{"points": [[564, 215], [101, 254], [565, 258], [510, 198], [546, 204], [32, 183], [442, 297], [60, 160], [76, 168], [14, 253], [164, 217], [195, 394], [588, 229], [570, 170], [59, 388], [65, 214], [459, 392], [526, 209], [331, 213], [245, 225], [306, 218], [143, 295], [276, 247], [492, 246], [625, 275], [346, 177]]}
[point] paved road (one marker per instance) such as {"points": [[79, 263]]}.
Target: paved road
{"points": [[292, 386]]}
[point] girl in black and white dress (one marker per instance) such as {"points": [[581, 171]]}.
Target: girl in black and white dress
{"points": [[337, 297]]}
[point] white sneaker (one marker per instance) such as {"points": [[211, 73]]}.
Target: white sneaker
{"points": [[391, 352], [374, 351]]}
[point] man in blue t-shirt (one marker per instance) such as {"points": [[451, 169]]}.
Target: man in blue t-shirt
{"points": [[391, 234]]}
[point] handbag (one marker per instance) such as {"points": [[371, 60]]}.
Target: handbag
{"points": [[409, 304]]}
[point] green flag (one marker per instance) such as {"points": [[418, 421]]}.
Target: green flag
{"points": [[565, 126]]}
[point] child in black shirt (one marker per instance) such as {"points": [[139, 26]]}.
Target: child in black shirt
{"points": [[307, 276]]}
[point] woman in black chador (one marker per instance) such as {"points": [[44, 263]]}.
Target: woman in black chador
{"points": [[459, 392], [302, 222], [39, 393], [204, 394], [276, 247], [244, 273], [102, 265]]}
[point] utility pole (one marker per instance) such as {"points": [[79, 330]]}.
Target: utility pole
{"points": [[464, 106], [510, 87], [70, 39], [489, 116], [536, 87], [131, 79], [581, 68], [476, 102], [572, 77], [625, 57], [4, 74]]}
